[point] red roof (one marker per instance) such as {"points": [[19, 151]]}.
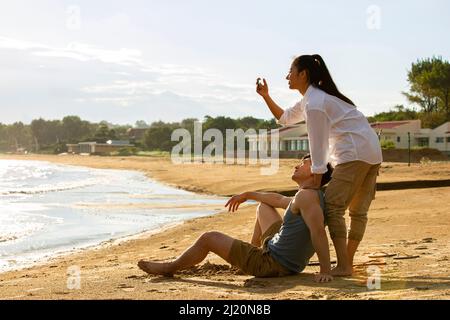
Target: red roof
{"points": [[388, 124]]}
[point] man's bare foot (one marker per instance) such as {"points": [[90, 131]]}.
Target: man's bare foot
{"points": [[340, 271], [155, 268]]}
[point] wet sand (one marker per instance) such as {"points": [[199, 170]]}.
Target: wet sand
{"points": [[408, 223]]}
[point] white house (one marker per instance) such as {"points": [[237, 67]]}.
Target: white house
{"points": [[397, 131], [294, 139], [440, 138]]}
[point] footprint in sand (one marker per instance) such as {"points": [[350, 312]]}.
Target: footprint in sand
{"points": [[251, 283]]}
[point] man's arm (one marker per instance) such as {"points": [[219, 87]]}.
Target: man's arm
{"points": [[272, 199], [309, 204], [275, 200]]}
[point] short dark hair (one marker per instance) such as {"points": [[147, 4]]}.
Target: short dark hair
{"points": [[327, 175]]}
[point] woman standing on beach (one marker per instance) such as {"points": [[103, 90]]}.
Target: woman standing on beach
{"points": [[336, 130]]}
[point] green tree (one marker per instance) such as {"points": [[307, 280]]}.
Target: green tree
{"points": [[440, 80], [3, 137], [397, 113], [18, 136], [74, 129], [104, 134], [141, 124], [248, 123], [158, 136], [429, 81], [221, 123]]}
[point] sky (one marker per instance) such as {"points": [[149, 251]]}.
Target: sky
{"points": [[123, 61]]}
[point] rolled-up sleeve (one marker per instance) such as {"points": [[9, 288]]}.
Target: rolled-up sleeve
{"points": [[292, 115], [318, 125]]}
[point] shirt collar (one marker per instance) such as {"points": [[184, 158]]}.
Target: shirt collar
{"points": [[308, 92], [306, 96]]}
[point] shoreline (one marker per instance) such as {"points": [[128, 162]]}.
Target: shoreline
{"points": [[50, 257], [54, 257], [110, 272]]}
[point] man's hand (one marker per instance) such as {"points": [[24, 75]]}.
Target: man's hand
{"points": [[236, 201], [323, 277]]}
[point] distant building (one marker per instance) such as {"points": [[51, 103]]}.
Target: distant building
{"points": [[98, 148], [397, 132], [293, 140], [440, 138]]}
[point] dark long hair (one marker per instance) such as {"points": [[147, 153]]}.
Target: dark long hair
{"points": [[318, 74]]}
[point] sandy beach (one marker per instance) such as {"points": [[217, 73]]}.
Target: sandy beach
{"points": [[408, 222]]}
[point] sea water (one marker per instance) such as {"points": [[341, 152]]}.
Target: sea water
{"points": [[48, 209]]}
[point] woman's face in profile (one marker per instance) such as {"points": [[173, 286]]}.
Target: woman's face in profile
{"points": [[296, 80]]}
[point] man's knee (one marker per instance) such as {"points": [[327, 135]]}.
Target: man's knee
{"points": [[208, 237], [263, 209]]}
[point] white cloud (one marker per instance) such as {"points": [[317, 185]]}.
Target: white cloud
{"points": [[9, 43], [74, 50], [123, 79]]}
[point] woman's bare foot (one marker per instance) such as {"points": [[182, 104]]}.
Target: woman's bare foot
{"points": [[340, 271], [155, 268]]}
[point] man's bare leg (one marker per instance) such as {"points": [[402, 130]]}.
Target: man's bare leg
{"points": [[266, 216], [256, 236], [216, 242]]}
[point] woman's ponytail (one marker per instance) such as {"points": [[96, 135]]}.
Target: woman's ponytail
{"points": [[319, 76]]}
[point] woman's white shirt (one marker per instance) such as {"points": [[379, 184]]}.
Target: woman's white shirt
{"points": [[337, 131]]}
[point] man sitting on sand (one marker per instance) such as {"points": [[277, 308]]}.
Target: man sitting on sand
{"points": [[279, 247]]}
